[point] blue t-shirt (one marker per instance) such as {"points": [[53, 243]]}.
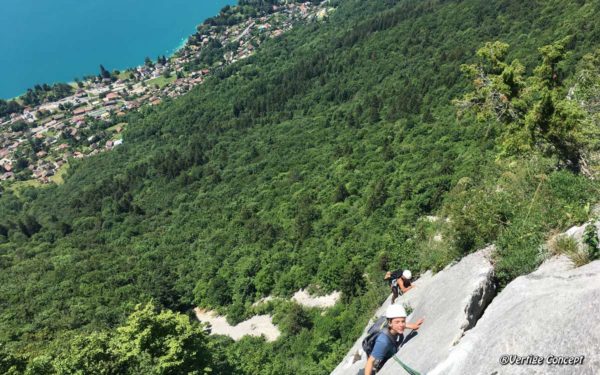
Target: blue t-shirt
{"points": [[384, 348]]}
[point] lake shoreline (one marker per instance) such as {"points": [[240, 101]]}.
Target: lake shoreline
{"points": [[77, 47]]}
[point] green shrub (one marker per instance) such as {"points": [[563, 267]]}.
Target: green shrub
{"points": [[590, 239], [292, 318]]}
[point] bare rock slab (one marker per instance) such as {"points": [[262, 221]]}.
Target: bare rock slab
{"points": [[553, 311], [356, 359], [451, 301]]}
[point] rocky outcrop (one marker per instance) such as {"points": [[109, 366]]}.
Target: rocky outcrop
{"points": [[451, 301], [302, 297], [259, 325], [355, 359], [548, 316], [543, 322]]}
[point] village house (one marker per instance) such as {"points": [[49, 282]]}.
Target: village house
{"points": [[133, 104], [112, 96], [29, 116], [6, 165], [49, 124], [105, 95], [45, 121], [97, 113], [81, 111]]}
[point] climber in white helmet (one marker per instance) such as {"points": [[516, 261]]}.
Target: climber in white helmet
{"points": [[399, 282], [390, 338]]}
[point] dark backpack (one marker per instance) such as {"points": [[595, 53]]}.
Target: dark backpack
{"points": [[372, 334], [395, 275]]}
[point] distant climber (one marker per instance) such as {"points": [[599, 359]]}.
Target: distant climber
{"points": [[399, 282], [388, 340]]}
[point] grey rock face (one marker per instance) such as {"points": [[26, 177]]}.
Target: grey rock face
{"points": [[550, 312], [537, 322], [355, 359], [450, 302]]}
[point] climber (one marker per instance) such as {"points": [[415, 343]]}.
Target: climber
{"points": [[399, 282], [389, 339]]}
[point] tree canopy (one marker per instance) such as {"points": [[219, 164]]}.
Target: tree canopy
{"points": [[313, 163]]}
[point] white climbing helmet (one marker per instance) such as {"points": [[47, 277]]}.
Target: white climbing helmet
{"points": [[407, 274], [395, 311]]}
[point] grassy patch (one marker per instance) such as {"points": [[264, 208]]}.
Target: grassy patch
{"points": [[579, 253], [59, 176], [161, 81], [123, 75], [17, 186], [563, 244], [114, 127]]}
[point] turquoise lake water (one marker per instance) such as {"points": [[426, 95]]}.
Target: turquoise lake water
{"points": [[48, 41]]}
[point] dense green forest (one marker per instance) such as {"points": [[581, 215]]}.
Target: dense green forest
{"points": [[313, 163]]}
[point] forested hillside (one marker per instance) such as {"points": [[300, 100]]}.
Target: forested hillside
{"points": [[312, 163]]}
